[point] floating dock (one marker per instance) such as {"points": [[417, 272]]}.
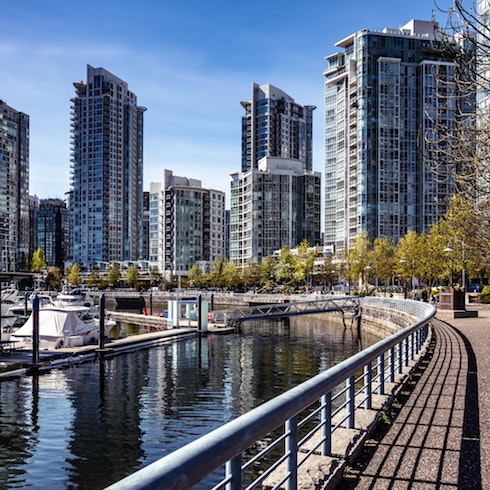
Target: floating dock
{"points": [[17, 362]]}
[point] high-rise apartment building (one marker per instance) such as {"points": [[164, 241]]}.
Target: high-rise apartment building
{"points": [[145, 231], [187, 225], [33, 209], [106, 200], [387, 95], [14, 189], [53, 228], [275, 199]]}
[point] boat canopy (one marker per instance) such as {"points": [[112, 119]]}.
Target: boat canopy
{"points": [[56, 323]]}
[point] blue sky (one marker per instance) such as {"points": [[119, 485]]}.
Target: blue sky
{"points": [[189, 62]]}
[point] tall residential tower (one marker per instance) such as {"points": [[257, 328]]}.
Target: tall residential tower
{"points": [[106, 198], [387, 94], [187, 225], [14, 189], [275, 199]]}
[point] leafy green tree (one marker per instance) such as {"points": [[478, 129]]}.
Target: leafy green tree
{"points": [[114, 275], [358, 257], [463, 224], [382, 260], [155, 277], [251, 275], [195, 277], [93, 279], [327, 273], [132, 276], [54, 277], [231, 276], [286, 267], [216, 273], [433, 263], [38, 262], [408, 257], [267, 273], [304, 263], [74, 275]]}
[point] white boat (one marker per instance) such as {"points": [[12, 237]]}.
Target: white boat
{"points": [[11, 295], [12, 301], [68, 326], [19, 312], [75, 297]]}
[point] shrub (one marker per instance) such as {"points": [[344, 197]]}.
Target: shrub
{"points": [[485, 295]]}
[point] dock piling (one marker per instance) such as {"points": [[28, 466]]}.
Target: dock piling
{"points": [[101, 321]]}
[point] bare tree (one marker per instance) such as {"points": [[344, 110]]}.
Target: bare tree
{"points": [[450, 132], [459, 147]]}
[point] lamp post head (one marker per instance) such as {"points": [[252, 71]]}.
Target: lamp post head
{"points": [[448, 250]]}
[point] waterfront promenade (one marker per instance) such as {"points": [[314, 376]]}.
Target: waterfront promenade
{"points": [[440, 437]]}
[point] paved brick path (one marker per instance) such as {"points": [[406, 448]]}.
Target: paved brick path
{"points": [[441, 435]]}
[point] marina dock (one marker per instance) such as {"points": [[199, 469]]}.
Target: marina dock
{"points": [[17, 362]]}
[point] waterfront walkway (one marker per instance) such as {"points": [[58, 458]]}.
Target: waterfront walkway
{"points": [[440, 437]]}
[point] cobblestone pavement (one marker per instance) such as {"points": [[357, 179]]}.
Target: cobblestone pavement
{"points": [[440, 437]]}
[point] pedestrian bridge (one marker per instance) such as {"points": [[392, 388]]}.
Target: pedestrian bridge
{"points": [[348, 307]]}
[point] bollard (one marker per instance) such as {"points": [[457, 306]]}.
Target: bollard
{"points": [[151, 303], [101, 321]]}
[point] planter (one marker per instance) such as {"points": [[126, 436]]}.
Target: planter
{"points": [[453, 299]]}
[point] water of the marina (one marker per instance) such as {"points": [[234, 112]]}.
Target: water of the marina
{"points": [[90, 425]]}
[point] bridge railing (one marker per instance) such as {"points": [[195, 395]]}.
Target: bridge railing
{"points": [[270, 445], [289, 308]]}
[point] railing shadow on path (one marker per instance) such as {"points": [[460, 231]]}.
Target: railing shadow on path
{"points": [[431, 437]]}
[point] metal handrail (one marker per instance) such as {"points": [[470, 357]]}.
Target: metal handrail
{"points": [[289, 308], [226, 445]]}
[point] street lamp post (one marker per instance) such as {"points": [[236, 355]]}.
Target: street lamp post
{"points": [[412, 269], [448, 249]]}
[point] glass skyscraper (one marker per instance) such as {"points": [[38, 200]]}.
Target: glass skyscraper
{"points": [[388, 96], [106, 199], [275, 199], [14, 189], [53, 231]]}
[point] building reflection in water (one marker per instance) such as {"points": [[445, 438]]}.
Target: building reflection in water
{"points": [[89, 425]]}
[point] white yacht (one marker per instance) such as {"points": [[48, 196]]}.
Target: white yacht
{"points": [[67, 326]]}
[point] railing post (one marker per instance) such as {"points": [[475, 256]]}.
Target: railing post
{"points": [[407, 350], [412, 346], [381, 374], [368, 386], [399, 348], [326, 420], [391, 360], [291, 428], [424, 332], [350, 405], [234, 471]]}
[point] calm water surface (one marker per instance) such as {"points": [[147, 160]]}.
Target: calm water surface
{"points": [[90, 425]]}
